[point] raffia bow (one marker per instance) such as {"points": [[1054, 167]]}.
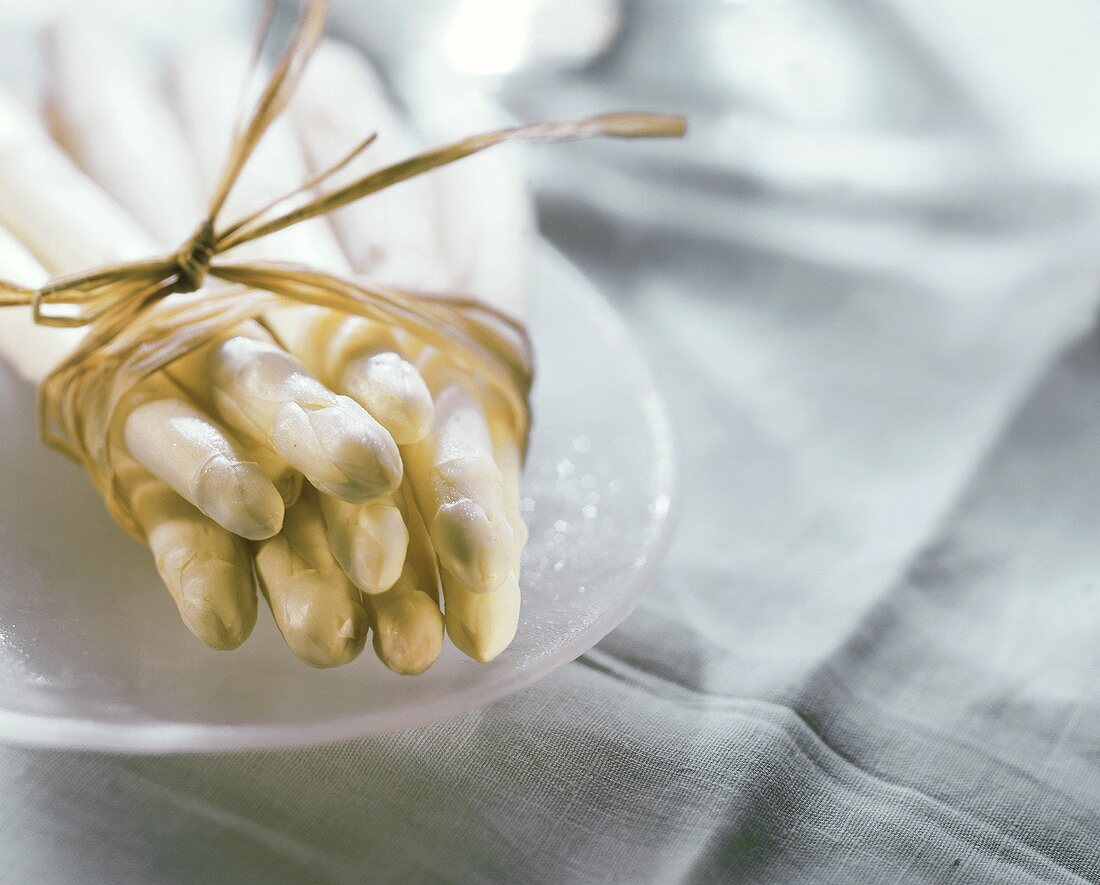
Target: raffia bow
{"points": [[142, 315]]}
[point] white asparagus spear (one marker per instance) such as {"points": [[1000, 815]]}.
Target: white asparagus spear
{"points": [[317, 609], [64, 219], [369, 541], [407, 625], [484, 624], [101, 85], [480, 624], [468, 497], [394, 236], [181, 446], [97, 75], [488, 220], [206, 568], [388, 385], [457, 483], [363, 359]]}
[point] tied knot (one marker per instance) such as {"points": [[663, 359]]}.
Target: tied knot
{"points": [[194, 257]]}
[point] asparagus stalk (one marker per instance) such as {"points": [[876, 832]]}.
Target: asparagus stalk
{"points": [[481, 624], [205, 568], [363, 359], [194, 456], [407, 623], [108, 112], [458, 484], [395, 236], [509, 460], [317, 609], [66, 221], [369, 541]]}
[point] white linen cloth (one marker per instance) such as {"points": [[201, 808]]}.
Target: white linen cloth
{"points": [[871, 656]]}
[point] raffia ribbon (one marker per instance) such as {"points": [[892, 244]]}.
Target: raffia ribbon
{"points": [[142, 315]]}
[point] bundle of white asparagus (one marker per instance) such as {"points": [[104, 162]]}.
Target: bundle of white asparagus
{"points": [[353, 448]]}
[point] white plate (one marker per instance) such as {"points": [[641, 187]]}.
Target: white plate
{"points": [[93, 655]]}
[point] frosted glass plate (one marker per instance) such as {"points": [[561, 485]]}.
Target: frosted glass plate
{"points": [[93, 655]]}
